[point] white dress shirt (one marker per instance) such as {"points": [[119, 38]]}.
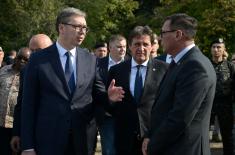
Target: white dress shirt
{"points": [[112, 62], [143, 70], [168, 58]]}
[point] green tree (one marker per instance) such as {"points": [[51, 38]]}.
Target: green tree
{"points": [[106, 17], [216, 19], [20, 19]]}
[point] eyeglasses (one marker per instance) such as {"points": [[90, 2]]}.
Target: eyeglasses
{"points": [[162, 32], [78, 28]]}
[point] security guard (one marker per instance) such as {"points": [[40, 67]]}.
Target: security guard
{"points": [[222, 106]]}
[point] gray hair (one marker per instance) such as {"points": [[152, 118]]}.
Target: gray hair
{"points": [[116, 37], [184, 22], [65, 14]]}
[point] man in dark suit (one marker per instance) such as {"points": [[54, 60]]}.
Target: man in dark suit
{"points": [[105, 122], [181, 113], [139, 78], [36, 43], [59, 86]]}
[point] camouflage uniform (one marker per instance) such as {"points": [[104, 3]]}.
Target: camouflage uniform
{"points": [[9, 87], [222, 106]]}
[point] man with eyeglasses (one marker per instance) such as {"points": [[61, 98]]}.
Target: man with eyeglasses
{"points": [[9, 88], [60, 86], [181, 112]]}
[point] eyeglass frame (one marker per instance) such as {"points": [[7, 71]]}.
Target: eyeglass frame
{"points": [[78, 28], [163, 32]]}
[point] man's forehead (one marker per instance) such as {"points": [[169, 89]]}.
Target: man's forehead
{"points": [[218, 45]]}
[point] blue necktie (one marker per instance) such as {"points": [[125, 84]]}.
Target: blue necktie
{"points": [[69, 72], [138, 85]]}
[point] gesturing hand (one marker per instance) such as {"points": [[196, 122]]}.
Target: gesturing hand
{"points": [[115, 94]]}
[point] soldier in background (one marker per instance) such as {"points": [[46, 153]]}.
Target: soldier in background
{"points": [[100, 50], [222, 106]]}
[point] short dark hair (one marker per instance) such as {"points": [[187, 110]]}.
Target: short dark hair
{"points": [[65, 14], [139, 31], [100, 44], [183, 22]]}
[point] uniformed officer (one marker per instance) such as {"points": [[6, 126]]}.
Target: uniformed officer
{"points": [[222, 106]]}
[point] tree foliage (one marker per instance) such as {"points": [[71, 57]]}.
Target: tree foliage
{"points": [[20, 19]]}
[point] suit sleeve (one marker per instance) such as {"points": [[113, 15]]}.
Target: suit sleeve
{"points": [[192, 86], [99, 90], [17, 110], [29, 104]]}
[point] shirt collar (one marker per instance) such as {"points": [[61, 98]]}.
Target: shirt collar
{"points": [[134, 63], [113, 62], [182, 53], [62, 50]]}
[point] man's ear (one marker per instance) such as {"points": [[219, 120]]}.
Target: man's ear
{"points": [[179, 34]]}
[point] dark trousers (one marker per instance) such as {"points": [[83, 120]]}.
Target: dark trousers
{"points": [[5, 138], [77, 146], [92, 136], [223, 109], [134, 147]]}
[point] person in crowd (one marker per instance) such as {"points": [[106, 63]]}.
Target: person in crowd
{"points": [[1, 57], [36, 43], [223, 101], [105, 122], [60, 84], [11, 57], [9, 87], [181, 113], [100, 50], [140, 78], [155, 47]]}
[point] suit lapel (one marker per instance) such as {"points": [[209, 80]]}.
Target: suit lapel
{"points": [[152, 77], [173, 72], [104, 67], [55, 61], [126, 79], [81, 64]]}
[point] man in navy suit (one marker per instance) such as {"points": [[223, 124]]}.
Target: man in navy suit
{"points": [[60, 85], [36, 43], [139, 77], [181, 112]]}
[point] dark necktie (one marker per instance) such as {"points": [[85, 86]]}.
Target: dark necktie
{"points": [[172, 64], [138, 84], [69, 72]]}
